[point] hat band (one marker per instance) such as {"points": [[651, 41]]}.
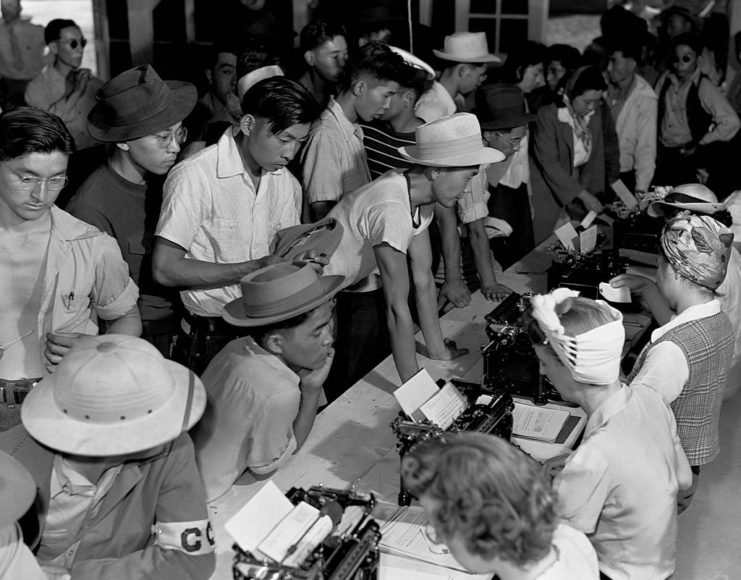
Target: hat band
{"points": [[162, 100], [446, 148], [285, 304]]}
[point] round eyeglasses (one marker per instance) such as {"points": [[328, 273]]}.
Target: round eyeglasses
{"points": [[165, 137], [31, 182], [74, 43]]}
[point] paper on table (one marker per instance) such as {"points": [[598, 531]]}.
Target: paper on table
{"points": [[588, 240], [588, 220], [624, 194], [258, 516], [393, 567], [567, 236], [538, 422], [413, 393], [444, 407], [302, 529], [621, 295]]}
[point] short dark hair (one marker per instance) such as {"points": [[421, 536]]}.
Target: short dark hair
{"points": [[376, 59], [586, 78], [529, 53], [26, 130], [54, 29], [319, 31], [630, 48], [256, 53], [282, 102], [567, 55], [261, 333], [690, 39], [414, 78], [214, 52]]}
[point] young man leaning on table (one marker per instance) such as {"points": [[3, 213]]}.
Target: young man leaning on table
{"points": [[385, 224], [264, 389]]}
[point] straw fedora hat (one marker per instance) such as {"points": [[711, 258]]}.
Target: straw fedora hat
{"points": [[113, 395], [501, 107], [453, 141], [137, 103], [467, 47], [17, 490], [693, 197], [279, 292]]}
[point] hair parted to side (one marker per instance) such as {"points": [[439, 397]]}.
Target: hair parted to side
{"points": [[414, 78], [283, 102], [54, 29], [319, 31], [26, 130], [489, 493], [579, 315], [528, 53], [583, 79], [375, 59], [255, 54], [568, 56]]}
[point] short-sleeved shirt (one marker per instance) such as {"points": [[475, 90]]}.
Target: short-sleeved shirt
{"points": [[210, 209], [576, 557], [380, 212], [620, 486], [435, 103], [382, 147], [333, 161], [49, 87], [253, 399]]}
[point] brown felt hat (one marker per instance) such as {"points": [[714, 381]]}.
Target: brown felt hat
{"points": [[137, 103], [501, 107]]}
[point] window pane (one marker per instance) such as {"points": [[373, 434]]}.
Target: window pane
{"points": [[487, 25], [514, 33], [514, 6], [483, 6]]}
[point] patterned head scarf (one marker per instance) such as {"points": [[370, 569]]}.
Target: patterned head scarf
{"points": [[698, 248]]}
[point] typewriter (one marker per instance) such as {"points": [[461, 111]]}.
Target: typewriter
{"points": [[637, 233], [350, 552]]}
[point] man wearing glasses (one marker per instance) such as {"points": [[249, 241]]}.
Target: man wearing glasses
{"points": [[58, 275], [142, 117]]}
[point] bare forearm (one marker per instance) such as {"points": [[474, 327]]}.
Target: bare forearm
{"points": [[304, 421], [481, 252], [195, 274], [450, 240], [130, 323], [401, 332], [429, 321]]}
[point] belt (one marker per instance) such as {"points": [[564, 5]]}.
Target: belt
{"points": [[14, 392], [211, 324]]}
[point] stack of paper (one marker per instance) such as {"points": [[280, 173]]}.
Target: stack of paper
{"points": [[539, 423], [420, 398]]}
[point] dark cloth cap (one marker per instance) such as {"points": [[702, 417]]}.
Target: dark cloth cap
{"points": [[501, 107], [137, 103]]}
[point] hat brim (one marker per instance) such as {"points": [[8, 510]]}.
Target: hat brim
{"points": [[656, 209], [234, 314], [184, 97], [482, 157], [49, 425], [482, 58], [17, 490], [518, 121]]}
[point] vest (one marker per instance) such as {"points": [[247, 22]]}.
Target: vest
{"points": [[698, 119], [707, 344]]}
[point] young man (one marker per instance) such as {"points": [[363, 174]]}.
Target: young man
{"points": [[384, 224], [634, 107], [688, 357], [58, 275], [620, 485], [466, 57], [264, 389], [142, 117], [221, 100], [324, 47], [119, 493], [333, 161], [222, 208], [63, 88]]}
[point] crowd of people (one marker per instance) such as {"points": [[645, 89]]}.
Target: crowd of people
{"points": [[190, 279]]}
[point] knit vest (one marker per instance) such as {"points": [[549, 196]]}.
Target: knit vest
{"points": [[698, 119], [707, 345]]}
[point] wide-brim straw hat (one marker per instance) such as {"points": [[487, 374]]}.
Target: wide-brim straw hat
{"points": [[693, 197], [113, 395], [138, 103], [467, 47], [453, 141], [17, 490], [501, 107], [279, 292]]}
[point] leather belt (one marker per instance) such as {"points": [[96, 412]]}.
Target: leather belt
{"points": [[14, 392]]}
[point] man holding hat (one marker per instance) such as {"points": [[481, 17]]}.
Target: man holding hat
{"points": [[222, 208], [58, 275], [264, 389], [119, 493], [143, 116], [384, 224], [688, 357]]}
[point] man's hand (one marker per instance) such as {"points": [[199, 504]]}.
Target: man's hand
{"points": [[82, 78], [641, 286], [314, 379], [555, 465], [311, 257], [451, 351], [57, 346], [495, 291], [268, 260], [590, 202], [456, 292]]}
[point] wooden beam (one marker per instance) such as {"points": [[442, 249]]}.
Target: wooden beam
{"points": [[537, 20], [190, 22], [141, 30], [425, 12], [300, 17], [102, 39], [462, 15]]}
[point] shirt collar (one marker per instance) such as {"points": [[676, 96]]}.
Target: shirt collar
{"points": [[692, 313], [251, 347], [608, 409], [228, 160], [349, 128]]}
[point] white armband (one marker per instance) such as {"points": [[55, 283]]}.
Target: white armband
{"points": [[193, 538]]}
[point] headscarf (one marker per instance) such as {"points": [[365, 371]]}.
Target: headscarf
{"points": [[592, 357], [698, 248]]}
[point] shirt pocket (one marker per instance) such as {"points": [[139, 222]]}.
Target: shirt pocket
{"points": [[227, 241]]}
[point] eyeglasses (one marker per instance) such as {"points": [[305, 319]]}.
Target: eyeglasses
{"points": [[164, 138], [515, 143], [31, 182], [683, 58], [74, 43]]}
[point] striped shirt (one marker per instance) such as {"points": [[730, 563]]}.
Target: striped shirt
{"points": [[381, 144]]}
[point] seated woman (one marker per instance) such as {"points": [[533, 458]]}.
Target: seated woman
{"points": [[620, 486], [569, 152], [493, 507]]}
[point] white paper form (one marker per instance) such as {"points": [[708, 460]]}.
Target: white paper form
{"points": [[445, 407], [625, 195], [414, 393], [258, 516], [567, 235], [538, 422]]}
